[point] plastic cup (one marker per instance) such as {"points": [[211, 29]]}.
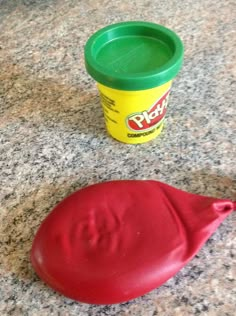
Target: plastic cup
{"points": [[134, 64]]}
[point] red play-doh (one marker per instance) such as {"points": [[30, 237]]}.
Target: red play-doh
{"points": [[112, 242]]}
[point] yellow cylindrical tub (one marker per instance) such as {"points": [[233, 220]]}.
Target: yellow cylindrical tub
{"points": [[134, 64]]}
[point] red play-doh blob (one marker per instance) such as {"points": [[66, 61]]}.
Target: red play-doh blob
{"points": [[114, 241]]}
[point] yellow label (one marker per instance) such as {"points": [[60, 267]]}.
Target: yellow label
{"points": [[134, 116]]}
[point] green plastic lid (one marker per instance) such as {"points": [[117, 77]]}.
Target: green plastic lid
{"points": [[133, 55]]}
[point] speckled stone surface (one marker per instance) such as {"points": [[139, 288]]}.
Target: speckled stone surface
{"points": [[53, 141]]}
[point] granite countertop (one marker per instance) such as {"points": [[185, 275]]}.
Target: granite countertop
{"points": [[53, 141]]}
